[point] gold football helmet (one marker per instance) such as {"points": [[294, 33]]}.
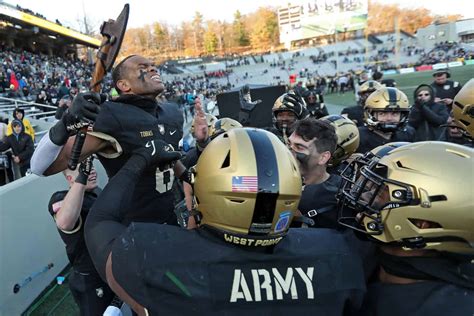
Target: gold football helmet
{"points": [[247, 187], [417, 196], [386, 100], [347, 138], [369, 86], [289, 102], [366, 89], [463, 109], [222, 125], [211, 119]]}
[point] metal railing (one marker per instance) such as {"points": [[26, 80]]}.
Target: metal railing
{"points": [[31, 108], [26, 103]]}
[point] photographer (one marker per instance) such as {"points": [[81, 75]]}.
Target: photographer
{"points": [[70, 208], [426, 116]]}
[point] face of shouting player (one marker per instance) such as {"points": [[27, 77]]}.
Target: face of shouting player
{"points": [[140, 77]]}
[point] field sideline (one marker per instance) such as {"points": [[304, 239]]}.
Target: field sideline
{"points": [[406, 82]]}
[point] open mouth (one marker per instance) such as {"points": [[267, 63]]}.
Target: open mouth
{"points": [[156, 78]]}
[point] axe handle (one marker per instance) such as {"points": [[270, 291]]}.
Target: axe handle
{"points": [[99, 73], [99, 70]]}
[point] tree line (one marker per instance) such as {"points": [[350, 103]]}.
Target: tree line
{"points": [[254, 32]]}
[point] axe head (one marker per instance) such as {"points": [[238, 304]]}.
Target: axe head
{"points": [[114, 31]]}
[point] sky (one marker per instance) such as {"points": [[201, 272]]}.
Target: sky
{"points": [[176, 11]]}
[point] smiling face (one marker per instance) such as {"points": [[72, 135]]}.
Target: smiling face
{"points": [[140, 77], [92, 180], [286, 118], [71, 176]]}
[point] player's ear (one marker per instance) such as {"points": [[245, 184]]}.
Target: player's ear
{"points": [[123, 85]]}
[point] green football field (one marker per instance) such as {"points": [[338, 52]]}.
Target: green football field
{"points": [[406, 82]]}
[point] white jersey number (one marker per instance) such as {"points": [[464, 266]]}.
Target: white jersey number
{"points": [[164, 180]]}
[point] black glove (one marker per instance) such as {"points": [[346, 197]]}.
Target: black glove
{"points": [[246, 103], [82, 113], [157, 153], [85, 169], [182, 213]]}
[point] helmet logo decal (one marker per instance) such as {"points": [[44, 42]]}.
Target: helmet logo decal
{"points": [[283, 222]]}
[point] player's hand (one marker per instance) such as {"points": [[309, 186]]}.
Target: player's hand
{"points": [[201, 130], [447, 101], [82, 113], [157, 153], [85, 169]]}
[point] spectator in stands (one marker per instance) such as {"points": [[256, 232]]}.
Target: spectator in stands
{"points": [[427, 116], [6, 174], [19, 114], [445, 90], [21, 145], [43, 98], [3, 83], [3, 128]]}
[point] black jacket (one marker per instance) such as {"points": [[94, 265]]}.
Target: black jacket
{"points": [[21, 146], [428, 117]]}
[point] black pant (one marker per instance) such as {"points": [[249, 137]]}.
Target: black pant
{"points": [[24, 169], [91, 294]]}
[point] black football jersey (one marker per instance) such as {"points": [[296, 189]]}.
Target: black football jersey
{"points": [[132, 125], [310, 271]]}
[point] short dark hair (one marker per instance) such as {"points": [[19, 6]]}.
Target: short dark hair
{"points": [[323, 133], [377, 76], [118, 72], [16, 123]]}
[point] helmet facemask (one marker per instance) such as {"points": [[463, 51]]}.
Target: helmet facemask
{"points": [[290, 103], [412, 196], [366, 190]]}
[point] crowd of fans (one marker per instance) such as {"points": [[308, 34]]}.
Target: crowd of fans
{"points": [[53, 80], [42, 78]]}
